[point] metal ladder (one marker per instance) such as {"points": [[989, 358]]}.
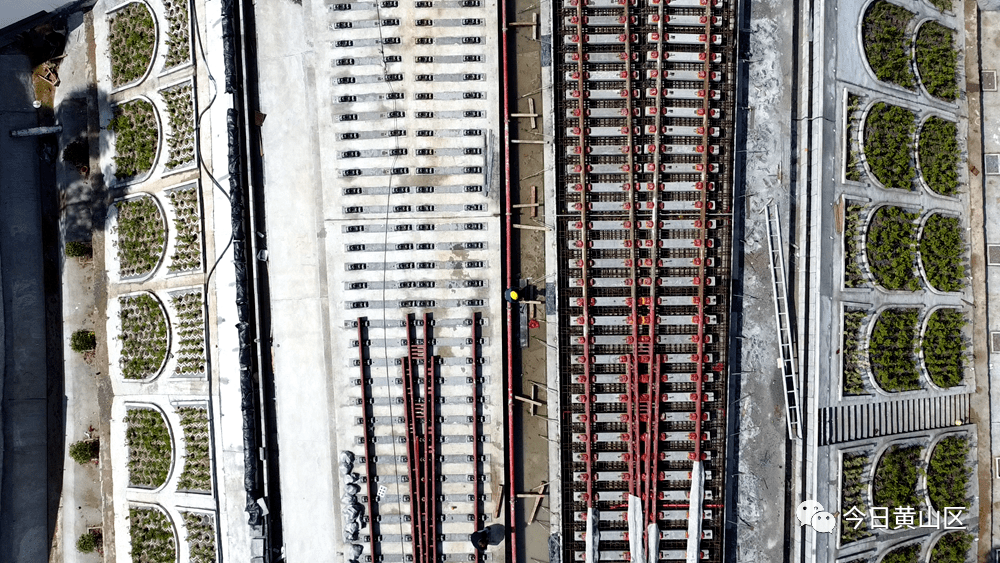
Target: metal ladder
{"points": [[781, 313]]}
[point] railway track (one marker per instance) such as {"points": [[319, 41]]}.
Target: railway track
{"points": [[644, 95]]}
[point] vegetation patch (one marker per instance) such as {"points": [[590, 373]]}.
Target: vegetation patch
{"points": [[944, 347], [178, 32], [948, 473], [83, 341], [888, 145], [941, 250], [144, 336], [886, 47], [197, 474], [891, 350], [85, 451], [937, 60], [938, 153], [149, 448], [853, 276], [131, 38], [152, 536], [852, 495], [906, 554], [187, 229], [78, 249], [136, 138], [895, 483], [141, 236], [200, 536], [190, 333], [951, 548], [90, 541], [180, 114], [943, 5], [891, 249], [854, 376], [852, 162]]}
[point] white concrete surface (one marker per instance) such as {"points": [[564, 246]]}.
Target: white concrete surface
{"points": [[308, 215]]}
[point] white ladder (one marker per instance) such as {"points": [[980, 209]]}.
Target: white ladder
{"points": [[781, 313]]}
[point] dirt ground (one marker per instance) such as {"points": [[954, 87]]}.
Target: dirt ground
{"points": [[529, 264]]}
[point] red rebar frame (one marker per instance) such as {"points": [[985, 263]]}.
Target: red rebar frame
{"points": [[584, 278], [369, 465], [421, 443], [475, 423]]}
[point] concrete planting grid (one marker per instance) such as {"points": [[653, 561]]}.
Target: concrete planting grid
{"points": [[821, 291], [165, 391], [386, 204]]}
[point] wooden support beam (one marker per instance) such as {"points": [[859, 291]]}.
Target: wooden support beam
{"points": [[529, 227], [527, 142], [499, 503], [534, 189], [529, 401], [538, 502]]}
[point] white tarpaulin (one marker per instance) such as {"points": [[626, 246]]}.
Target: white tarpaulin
{"points": [[593, 537], [635, 525], [694, 514], [653, 553]]}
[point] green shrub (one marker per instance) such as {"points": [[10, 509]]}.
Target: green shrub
{"points": [[944, 347], [943, 5], [141, 236], [953, 547], [131, 38], [941, 250], [152, 536], [938, 153], [149, 448], [85, 451], [180, 114], [143, 336], [937, 60], [200, 536], [854, 378], [77, 153], [87, 543], [77, 249], [852, 495], [888, 145], [906, 554], [891, 249], [190, 333], [136, 138], [886, 47], [187, 230], [948, 473], [197, 473], [178, 34], [853, 277], [891, 350], [83, 341], [895, 484], [852, 164]]}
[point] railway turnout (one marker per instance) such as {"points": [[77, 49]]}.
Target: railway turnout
{"points": [[644, 91]]}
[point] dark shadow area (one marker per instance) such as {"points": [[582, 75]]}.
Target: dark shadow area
{"points": [[44, 200], [737, 288]]}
